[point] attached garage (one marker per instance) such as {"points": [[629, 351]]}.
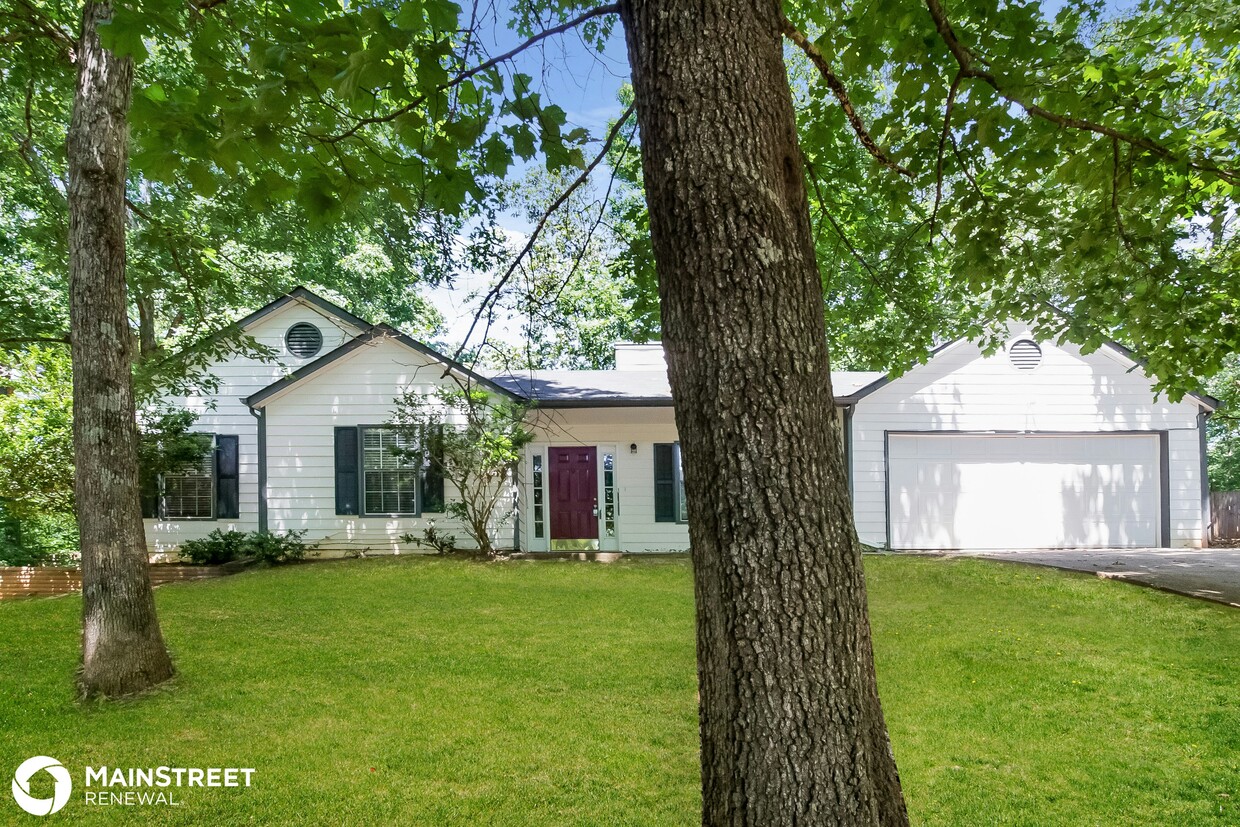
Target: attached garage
{"points": [[1035, 445], [1032, 490]]}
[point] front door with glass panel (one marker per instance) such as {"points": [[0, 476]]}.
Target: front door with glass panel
{"points": [[573, 497]]}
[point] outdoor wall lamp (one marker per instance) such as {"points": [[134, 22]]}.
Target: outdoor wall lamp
{"points": [[633, 448]]}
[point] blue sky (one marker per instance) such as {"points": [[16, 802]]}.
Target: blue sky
{"points": [[572, 74], [585, 84]]}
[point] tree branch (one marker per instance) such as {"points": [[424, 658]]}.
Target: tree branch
{"points": [[841, 94], [964, 167], [46, 27], [141, 213], [469, 73], [938, 166], [966, 59], [493, 294], [35, 340], [1124, 236]]}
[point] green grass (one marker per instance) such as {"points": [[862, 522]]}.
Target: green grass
{"points": [[444, 692]]}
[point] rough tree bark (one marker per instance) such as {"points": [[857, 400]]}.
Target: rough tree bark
{"points": [[147, 343], [123, 650], [791, 727]]}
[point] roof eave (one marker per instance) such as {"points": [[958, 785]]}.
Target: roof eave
{"points": [[374, 333], [1203, 399]]}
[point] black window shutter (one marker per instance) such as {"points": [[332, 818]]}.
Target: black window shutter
{"points": [[227, 494], [432, 473], [346, 471], [664, 483], [149, 484]]}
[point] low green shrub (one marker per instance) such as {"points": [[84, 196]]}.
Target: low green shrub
{"points": [[220, 547], [216, 548], [265, 547], [441, 542]]}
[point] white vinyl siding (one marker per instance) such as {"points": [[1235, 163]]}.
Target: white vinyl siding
{"points": [[223, 412], [963, 390], [636, 529], [359, 389]]}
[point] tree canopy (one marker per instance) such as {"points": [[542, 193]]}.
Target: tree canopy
{"points": [[967, 164]]}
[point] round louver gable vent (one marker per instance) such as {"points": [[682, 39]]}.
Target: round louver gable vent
{"points": [[1025, 354], [303, 339]]}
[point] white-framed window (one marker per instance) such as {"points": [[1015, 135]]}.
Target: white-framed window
{"points": [[609, 493], [540, 514], [391, 473], [189, 494]]}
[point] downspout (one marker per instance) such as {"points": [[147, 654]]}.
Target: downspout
{"points": [[517, 503], [261, 416], [1207, 515], [848, 450]]}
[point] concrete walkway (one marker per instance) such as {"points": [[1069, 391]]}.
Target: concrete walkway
{"points": [[1211, 574]]}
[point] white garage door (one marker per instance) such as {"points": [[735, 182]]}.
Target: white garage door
{"points": [[1023, 491]]}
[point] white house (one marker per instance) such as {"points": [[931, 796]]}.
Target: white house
{"points": [[1036, 446]]}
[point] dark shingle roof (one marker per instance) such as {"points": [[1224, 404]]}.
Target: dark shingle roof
{"points": [[616, 388]]}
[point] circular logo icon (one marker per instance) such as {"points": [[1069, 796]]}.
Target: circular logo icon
{"points": [[41, 806]]}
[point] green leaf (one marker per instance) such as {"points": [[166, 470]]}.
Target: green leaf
{"points": [[443, 15]]}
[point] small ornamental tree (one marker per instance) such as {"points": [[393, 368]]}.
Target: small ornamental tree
{"points": [[472, 440]]}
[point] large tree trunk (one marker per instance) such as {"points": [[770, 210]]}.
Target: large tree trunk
{"points": [[791, 726], [123, 651]]}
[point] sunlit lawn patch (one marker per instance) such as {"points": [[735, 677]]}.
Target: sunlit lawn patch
{"points": [[429, 691]]}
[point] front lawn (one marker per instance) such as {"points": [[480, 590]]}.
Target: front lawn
{"points": [[427, 691]]}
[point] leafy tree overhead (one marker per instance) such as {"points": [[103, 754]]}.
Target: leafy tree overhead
{"points": [[201, 248], [1223, 428], [572, 299], [1078, 172]]}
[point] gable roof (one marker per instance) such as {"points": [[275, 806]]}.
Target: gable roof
{"points": [[630, 388], [373, 333], [1206, 401], [1203, 399], [302, 294], [569, 388]]}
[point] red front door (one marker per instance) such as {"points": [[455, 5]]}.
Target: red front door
{"points": [[574, 493]]}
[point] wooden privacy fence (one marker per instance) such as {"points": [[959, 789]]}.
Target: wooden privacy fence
{"points": [[44, 581], [1225, 515]]}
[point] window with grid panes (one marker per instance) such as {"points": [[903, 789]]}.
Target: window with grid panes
{"points": [[189, 494], [390, 478]]}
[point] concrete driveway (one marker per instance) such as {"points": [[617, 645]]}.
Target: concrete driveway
{"points": [[1211, 574]]}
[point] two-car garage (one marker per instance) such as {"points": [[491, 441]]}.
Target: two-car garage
{"points": [[1033, 445], [1030, 490]]}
